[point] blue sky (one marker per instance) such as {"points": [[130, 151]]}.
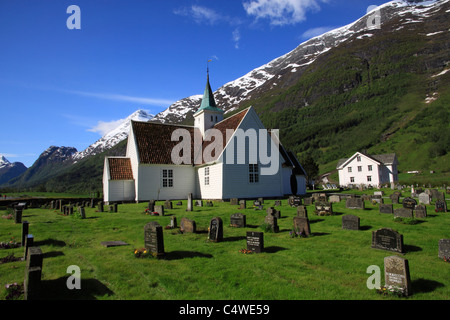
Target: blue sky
{"points": [[57, 84]]}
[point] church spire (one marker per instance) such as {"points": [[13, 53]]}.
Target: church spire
{"points": [[208, 101]]}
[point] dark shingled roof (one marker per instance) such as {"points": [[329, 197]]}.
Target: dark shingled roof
{"points": [[387, 158], [120, 169]]}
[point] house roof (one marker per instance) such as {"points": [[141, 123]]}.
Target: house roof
{"points": [[120, 169], [387, 158], [154, 143]]}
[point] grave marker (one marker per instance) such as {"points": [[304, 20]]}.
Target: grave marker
{"points": [[153, 238], [301, 224], [238, 220], [302, 212], [234, 201], [242, 204], [189, 203], [25, 226], [403, 213], [424, 198], [420, 211], [187, 225], [350, 222], [354, 203], [394, 198], [444, 249], [387, 239], [159, 210], [272, 221], [396, 274], [440, 206], [409, 203], [168, 205], [216, 229], [386, 208], [255, 241], [33, 273]]}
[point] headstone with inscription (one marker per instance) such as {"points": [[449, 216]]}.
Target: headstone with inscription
{"points": [[308, 201], [238, 220], [420, 211], [255, 241], [444, 249], [386, 208], [403, 213], [216, 230], [302, 212], [424, 198], [324, 208], [396, 274], [354, 203], [153, 238], [440, 206], [242, 204], [387, 239], [394, 198], [159, 209], [272, 221], [168, 205], [409, 203], [350, 222]]}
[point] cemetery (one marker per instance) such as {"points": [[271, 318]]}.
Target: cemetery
{"points": [[220, 250]]}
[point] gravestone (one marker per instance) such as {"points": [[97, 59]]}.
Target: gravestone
{"points": [[308, 201], [187, 225], [272, 221], [409, 203], [215, 230], [301, 224], [272, 211], [255, 241], [238, 220], [436, 195], [173, 222], [151, 206], [294, 201], [334, 198], [100, 206], [444, 249], [18, 214], [234, 201], [242, 204], [25, 227], [387, 239], [324, 208], [257, 203], [440, 206], [377, 199], [209, 204], [82, 212], [378, 193], [199, 203], [277, 203], [396, 274], [302, 212], [189, 203], [153, 238], [168, 205], [403, 213], [354, 203], [394, 198], [424, 198], [261, 200], [350, 222], [33, 273], [420, 211], [386, 208], [159, 210]]}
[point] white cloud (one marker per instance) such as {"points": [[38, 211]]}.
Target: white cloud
{"points": [[200, 14], [236, 37], [281, 12], [103, 127], [314, 32]]}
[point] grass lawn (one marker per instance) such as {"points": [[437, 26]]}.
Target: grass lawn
{"points": [[331, 264]]}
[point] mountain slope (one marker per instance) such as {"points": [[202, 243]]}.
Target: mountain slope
{"points": [[10, 170]]}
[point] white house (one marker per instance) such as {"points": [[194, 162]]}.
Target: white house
{"points": [[363, 169], [217, 160]]}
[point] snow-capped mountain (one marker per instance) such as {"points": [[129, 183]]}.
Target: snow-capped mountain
{"points": [[285, 70], [10, 170], [114, 136]]}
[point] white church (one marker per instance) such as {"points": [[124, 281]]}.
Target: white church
{"points": [[213, 166]]}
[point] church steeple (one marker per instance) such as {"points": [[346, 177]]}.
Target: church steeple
{"points": [[208, 114]]}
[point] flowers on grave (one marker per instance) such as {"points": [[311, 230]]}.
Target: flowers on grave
{"points": [[10, 244], [8, 216], [9, 258], [245, 251], [446, 259], [391, 291], [296, 233], [141, 253], [13, 291], [149, 212]]}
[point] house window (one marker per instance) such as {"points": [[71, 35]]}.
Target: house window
{"points": [[253, 173], [359, 168], [216, 118], [352, 179], [369, 178], [212, 119], [167, 178], [349, 169], [358, 158], [369, 168], [207, 176]]}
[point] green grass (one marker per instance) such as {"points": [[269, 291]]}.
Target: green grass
{"points": [[331, 264]]}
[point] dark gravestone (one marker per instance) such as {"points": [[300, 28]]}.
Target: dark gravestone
{"points": [[242, 204], [394, 198], [272, 221], [387, 239], [440, 206], [238, 220], [302, 212], [153, 238], [350, 222], [151, 206], [436, 195], [403, 213], [255, 241], [168, 205], [234, 201], [216, 229], [82, 212], [308, 201], [33, 273], [100, 206], [209, 204], [187, 225], [114, 207], [261, 200], [396, 274], [420, 211], [409, 203], [324, 208], [301, 225], [25, 227], [386, 208], [354, 203], [18, 214], [444, 249]]}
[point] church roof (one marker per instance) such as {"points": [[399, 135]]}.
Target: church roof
{"points": [[120, 169], [208, 102]]}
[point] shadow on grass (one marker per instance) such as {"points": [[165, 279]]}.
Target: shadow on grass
{"points": [[50, 242], [365, 227], [273, 249], [52, 254], [316, 220], [411, 248], [57, 290], [230, 239], [425, 286], [319, 234], [176, 255]]}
